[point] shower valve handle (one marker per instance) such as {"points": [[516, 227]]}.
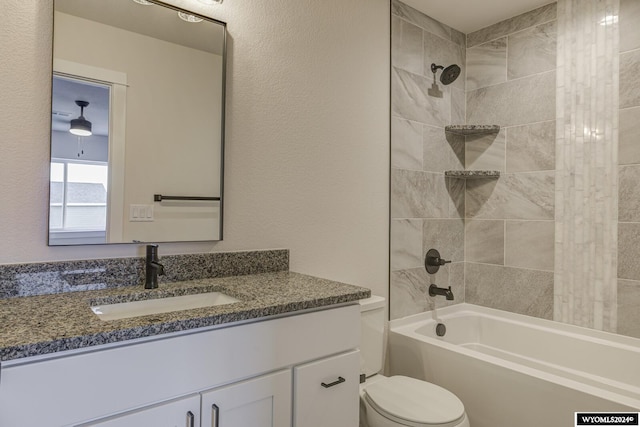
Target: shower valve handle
{"points": [[439, 261], [433, 261]]}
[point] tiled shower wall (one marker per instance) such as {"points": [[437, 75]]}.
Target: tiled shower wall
{"points": [[507, 245], [511, 81], [629, 171], [586, 239], [426, 210]]}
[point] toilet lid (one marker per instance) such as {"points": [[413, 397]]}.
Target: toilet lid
{"points": [[415, 401]]}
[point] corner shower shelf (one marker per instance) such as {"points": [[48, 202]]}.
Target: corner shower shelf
{"points": [[472, 174], [472, 129]]}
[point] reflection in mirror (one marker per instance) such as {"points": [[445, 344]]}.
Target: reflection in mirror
{"points": [[137, 124]]}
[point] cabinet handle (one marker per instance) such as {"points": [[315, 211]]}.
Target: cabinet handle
{"points": [[215, 415], [191, 419], [336, 382]]}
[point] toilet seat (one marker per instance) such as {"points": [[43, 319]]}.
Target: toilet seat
{"points": [[415, 403]]}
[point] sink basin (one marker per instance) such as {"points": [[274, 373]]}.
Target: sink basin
{"points": [[126, 310]]}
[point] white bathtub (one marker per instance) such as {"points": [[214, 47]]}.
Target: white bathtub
{"points": [[511, 370]]}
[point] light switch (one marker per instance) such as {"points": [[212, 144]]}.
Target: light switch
{"points": [[140, 213]]}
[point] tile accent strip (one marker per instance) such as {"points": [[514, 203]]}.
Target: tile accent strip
{"points": [[586, 164], [19, 280]]}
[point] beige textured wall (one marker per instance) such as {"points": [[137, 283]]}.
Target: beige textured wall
{"points": [[307, 160]]}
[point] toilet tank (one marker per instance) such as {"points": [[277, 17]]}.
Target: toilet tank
{"points": [[372, 335]]}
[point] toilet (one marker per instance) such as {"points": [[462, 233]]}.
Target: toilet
{"points": [[398, 401]]}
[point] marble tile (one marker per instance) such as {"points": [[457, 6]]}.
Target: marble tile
{"points": [[458, 105], [443, 52], [410, 99], [629, 193], [406, 46], [440, 152], [485, 152], [406, 244], [531, 147], [406, 144], [456, 281], [449, 275], [458, 37], [628, 250], [528, 100], [483, 198], [417, 194], [530, 244], [628, 303], [487, 64], [484, 241], [512, 196], [629, 29], [630, 79], [528, 292], [420, 19], [456, 190], [457, 143], [445, 235], [629, 136], [508, 26], [532, 51], [408, 293], [586, 238]]}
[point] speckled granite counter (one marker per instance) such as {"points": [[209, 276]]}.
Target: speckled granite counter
{"points": [[38, 325]]}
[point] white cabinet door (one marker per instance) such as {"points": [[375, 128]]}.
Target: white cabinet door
{"points": [[178, 413], [259, 402], [326, 392]]}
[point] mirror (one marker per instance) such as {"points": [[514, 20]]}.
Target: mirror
{"points": [[137, 128]]}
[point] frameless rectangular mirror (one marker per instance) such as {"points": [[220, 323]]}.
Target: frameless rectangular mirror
{"points": [[137, 129]]}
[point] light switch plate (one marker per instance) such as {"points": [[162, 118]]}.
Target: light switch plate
{"points": [[140, 213]]}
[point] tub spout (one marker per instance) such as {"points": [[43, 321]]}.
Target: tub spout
{"points": [[434, 290]]}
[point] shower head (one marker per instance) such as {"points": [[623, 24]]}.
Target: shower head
{"points": [[449, 74]]}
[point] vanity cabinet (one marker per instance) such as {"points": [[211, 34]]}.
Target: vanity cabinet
{"points": [[257, 374], [259, 402]]}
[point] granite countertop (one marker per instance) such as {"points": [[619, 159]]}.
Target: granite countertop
{"points": [[44, 324]]}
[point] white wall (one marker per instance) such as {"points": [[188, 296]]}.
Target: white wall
{"points": [[307, 150]]}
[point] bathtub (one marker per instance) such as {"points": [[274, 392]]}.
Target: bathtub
{"points": [[511, 370]]}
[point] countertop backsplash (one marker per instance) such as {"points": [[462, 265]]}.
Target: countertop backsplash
{"points": [[20, 280]]}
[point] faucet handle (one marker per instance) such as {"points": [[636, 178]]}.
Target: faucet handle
{"points": [[432, 261]]}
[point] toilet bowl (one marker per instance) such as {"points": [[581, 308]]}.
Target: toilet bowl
{"points": [[398, 400], [402, 401]]}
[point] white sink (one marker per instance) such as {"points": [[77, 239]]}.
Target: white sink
{"points": [[126, 310]]}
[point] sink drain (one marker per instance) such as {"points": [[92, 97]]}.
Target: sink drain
{"points": [[441, 329]]}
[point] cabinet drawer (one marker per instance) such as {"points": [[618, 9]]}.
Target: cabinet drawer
{"points": [[327, 392]]}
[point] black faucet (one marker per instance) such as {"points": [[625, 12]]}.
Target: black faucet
{"points": [[153, 268], [434, 290]]}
